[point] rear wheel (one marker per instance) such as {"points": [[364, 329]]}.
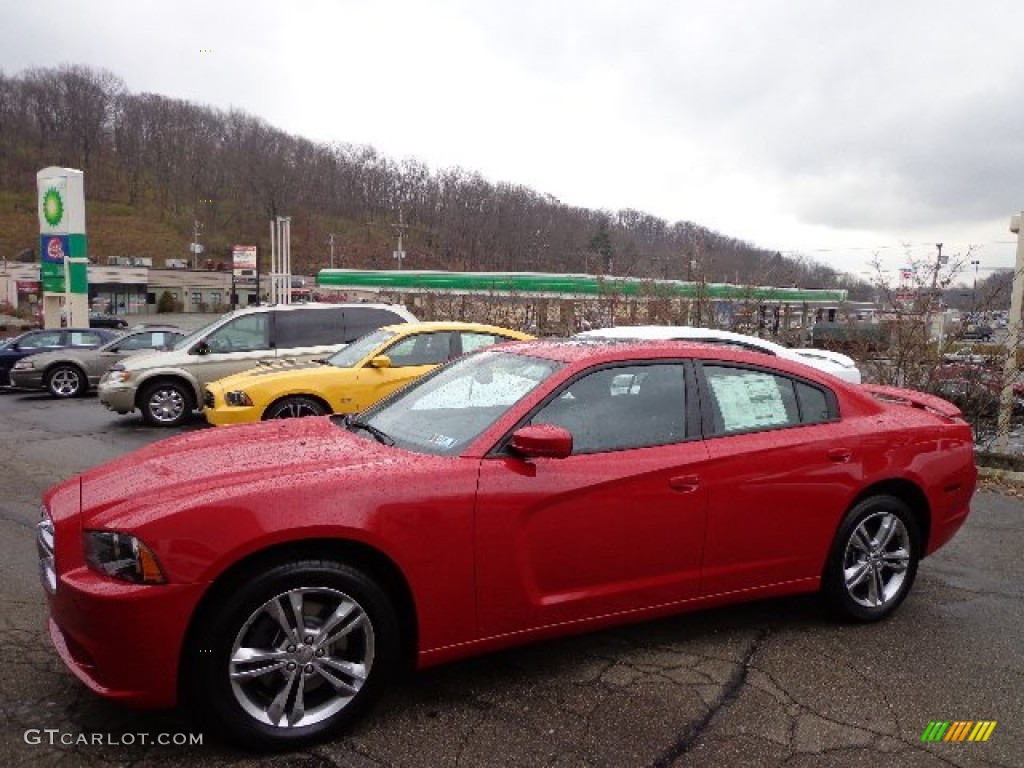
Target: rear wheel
{"points": [[294, 654], [294, 407], [66, 381], [874, 559], [166, 403]]}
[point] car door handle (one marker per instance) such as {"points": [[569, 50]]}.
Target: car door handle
{"points": [[684, 483], [839, 455]]}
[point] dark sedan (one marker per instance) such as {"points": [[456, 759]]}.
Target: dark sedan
{"points": [[34, 342], [103, 320], [72, 371]]}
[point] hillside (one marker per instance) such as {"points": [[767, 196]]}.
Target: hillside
{"points": [[154, 166]]}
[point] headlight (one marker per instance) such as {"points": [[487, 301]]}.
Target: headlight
{"points": [[117, 376], [25, 364], [122, 556], [236, 398]]}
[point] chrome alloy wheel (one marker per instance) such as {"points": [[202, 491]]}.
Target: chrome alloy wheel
{"points": [[166, 405], [296, 408], [301, 657], [65, 382], [876, 560]]}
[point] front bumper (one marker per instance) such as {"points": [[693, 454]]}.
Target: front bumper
{"points": [[28, 378], [122, 640], [116, 397], [220, 414]]}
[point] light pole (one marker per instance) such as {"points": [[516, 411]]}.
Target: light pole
{"points": [[974, 290], [331, 241]]}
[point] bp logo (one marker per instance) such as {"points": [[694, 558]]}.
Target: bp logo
{"points": [[53, 207]]}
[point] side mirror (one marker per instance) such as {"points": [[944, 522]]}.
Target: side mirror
{"points": [[202, 348], [543, 441], [379, 361]]}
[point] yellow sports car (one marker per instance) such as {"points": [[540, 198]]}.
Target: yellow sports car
{"points": [[350, 380]]}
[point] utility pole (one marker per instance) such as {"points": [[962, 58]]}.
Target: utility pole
{"points": [[399, 254]]}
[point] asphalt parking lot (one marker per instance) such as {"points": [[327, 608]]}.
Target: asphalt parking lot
{"points": [[765, 684]]}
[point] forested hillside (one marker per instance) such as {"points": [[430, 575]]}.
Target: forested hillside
{"points": [[154, 166]]}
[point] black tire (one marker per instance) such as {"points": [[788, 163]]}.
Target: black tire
{"points": [[339, 673], [65, 381], [166, 403], [294, 407], [873, 561]]}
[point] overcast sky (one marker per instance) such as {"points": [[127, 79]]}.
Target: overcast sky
{"points": [[833, 130]]}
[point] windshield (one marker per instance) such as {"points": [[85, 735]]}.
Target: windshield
{"points": [[195, 336], [448, 409], [348, 356]]}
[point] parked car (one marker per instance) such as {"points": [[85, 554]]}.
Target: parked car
{"points": [[350, 380], [975, 388], [274, 574], [977, 332], [72, 371], [835, 363], [103, 320], [168, 386], [34, 342]]}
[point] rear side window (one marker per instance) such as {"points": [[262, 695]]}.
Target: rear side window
{"points": [[749, 400], [359, 321], [85, 339], [310, 328]]}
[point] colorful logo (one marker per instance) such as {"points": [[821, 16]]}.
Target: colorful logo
{"points": [[959, 730], [53, 207]]}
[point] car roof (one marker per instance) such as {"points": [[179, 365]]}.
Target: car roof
{"points": [[598, 349], [449, 325], [679, 332]]}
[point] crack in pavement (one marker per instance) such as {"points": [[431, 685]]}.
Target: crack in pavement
{"points": [[729, 694]]}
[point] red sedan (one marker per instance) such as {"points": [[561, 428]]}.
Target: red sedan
{"points": [[273, 575]]}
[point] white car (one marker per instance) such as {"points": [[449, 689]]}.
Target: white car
{"points": [[824, 360]]}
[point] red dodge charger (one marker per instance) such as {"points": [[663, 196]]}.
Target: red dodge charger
{"points": [[274, 575]]}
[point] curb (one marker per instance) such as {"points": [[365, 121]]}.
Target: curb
{"points": [[1003, 475]]}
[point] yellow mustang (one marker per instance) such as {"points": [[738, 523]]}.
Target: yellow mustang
{"points": [[350, 380]]}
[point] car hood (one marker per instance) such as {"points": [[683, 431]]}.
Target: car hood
{"points": [[209, 464], [278, 373]]}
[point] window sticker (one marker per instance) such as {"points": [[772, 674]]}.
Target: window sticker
{"points": [[748, 400]]}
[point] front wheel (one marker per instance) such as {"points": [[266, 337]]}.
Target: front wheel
{"points": [[294, 654], [294, 407], [874, 559], [66, 381], [166, 403]]}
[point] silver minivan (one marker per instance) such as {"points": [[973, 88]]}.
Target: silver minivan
{"points": [[167, 386]]}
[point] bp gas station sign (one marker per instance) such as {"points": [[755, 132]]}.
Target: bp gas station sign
{"points": [[62, 246]]}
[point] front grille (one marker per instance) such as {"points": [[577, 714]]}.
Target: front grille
{"points": [[208, 401], [45, 537]]}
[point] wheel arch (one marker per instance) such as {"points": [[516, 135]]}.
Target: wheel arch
{"points": [[168, 377], [308, 395], [66, 364], [369, 560], [910, 494]]}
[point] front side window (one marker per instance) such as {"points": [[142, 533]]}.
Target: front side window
{"points": [[420, 349], [243, 334], [745, 399], [614, 409], [41, 339]]}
